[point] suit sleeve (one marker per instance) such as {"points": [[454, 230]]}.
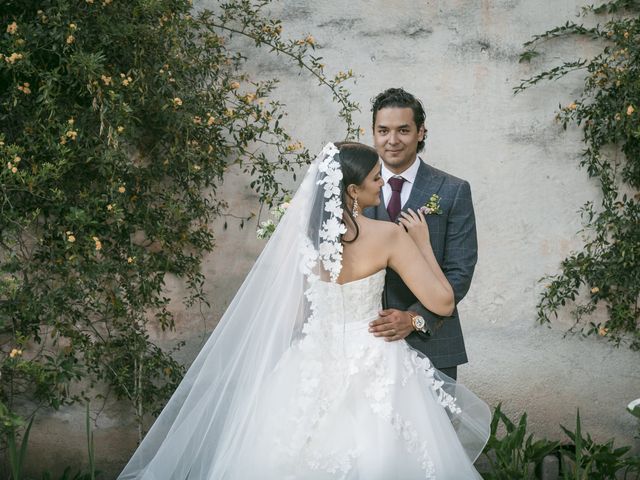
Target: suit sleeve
{"points": [[461, 246]]}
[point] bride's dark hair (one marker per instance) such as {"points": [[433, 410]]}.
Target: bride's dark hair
{"points": [[356, 162]]}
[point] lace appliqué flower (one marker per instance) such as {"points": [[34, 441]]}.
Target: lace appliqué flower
{"points": [[330, 248], [414, 363]]}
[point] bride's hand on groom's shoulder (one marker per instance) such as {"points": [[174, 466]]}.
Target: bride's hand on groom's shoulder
{"points": [[415, 225]]}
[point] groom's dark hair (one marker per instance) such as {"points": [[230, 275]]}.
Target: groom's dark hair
{"points": [[400, 98]]}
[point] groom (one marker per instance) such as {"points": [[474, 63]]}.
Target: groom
{"points": [[398, 133]]}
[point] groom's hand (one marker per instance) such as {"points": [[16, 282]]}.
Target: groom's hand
{"points": [[392, 325]]}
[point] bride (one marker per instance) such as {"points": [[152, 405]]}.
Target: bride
{"points": [[292, 384]]}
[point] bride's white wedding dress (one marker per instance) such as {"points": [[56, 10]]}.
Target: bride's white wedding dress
{"points": [[292, 386], [343, 404]]}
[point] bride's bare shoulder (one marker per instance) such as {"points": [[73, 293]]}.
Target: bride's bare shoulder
{"points": [[382, 229]]}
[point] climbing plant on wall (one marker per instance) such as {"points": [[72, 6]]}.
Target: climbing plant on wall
{"points": [[118, 122], [607, 270]]}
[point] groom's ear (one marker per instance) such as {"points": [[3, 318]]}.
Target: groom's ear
{"points": [[422, 132]]}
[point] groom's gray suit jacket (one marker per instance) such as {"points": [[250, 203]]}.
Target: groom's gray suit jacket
{"points": [[454, 243]]}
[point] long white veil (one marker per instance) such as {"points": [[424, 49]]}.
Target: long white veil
{"points": [[209, 416], [209, 411]]}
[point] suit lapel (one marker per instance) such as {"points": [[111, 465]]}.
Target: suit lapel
{"points": [[428, 181], [381, 210]]}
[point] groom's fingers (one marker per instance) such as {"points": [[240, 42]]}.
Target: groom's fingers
{"points": [[383, 327], [390, 325]]}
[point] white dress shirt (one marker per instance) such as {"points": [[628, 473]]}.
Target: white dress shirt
{"points": [[409, 176]]}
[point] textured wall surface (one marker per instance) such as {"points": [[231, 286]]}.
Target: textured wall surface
{"points": [[461, 58]]}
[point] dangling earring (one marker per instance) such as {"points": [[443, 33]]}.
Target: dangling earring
{"points": [[354, 211]]}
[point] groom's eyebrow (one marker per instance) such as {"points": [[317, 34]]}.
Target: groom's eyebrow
{"points": [[404, 125]]}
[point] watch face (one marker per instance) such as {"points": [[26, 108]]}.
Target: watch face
{"points": [[419, 322]]}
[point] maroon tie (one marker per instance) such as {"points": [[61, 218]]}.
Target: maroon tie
{"points": [[394, 203]]}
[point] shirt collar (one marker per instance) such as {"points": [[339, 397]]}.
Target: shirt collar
{"points": [[409, 174]]}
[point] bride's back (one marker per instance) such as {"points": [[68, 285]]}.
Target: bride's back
{"points": [[369, 253]]}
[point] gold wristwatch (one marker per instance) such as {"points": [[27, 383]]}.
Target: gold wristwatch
{"points": [[418, 322]]}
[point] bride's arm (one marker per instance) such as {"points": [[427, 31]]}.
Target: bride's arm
{"points": [[415, 262]]}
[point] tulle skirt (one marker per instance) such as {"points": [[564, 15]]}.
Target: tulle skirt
{"points": [[347, 405]]}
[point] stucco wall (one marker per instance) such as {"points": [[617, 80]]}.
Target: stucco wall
{"points": [[461, 59]]}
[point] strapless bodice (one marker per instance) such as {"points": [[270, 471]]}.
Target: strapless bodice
{"points": [[343, 304]]}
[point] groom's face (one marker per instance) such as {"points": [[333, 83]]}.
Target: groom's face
{"points": [[396, 137]]}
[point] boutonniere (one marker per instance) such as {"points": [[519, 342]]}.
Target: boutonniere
{"points": [[432, 207]]}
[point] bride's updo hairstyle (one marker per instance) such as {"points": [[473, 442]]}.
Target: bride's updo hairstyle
{"points": [[356, 162]]}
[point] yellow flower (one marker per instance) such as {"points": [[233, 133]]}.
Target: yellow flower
{"points": [[361, 130], [210, 120], [72, 134], [71, 121], [109, 207], [16, 158], [70, 39], [572, 106], [13, 57], [197, 120], [294, 146], [73, 26], [105, 2], [120, 129], [121, 189], [310, 40], [177, 101], [630, 109], [235, 85], [106, 79], [249, 97], [24, 88], [15, 352], [89, 1], [617, 116], [12, 28], [98, 243], [595, 290], [71, 238], [14, 169], [626, 34], [229, 112], [197, 167], [131, 259], [602, 331]]}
